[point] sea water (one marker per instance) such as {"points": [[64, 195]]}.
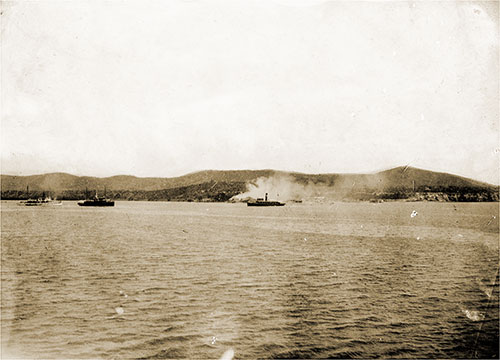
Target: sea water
{"points": [[196, 280]]}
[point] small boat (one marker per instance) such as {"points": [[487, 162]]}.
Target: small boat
{"points": [[264, 202], [35, 202], [41, 201]]}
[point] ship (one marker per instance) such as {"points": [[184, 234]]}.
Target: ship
{"points": [[264, 202], [41, 201], [37, 202], [97, 201]]}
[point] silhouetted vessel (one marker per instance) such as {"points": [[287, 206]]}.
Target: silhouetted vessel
{"points": [[97, 201], [264, 202]]}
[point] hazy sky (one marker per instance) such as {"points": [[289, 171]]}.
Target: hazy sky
{"points": [[162, 88]]}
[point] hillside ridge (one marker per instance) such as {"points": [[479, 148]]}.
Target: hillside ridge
{"points": [[396, 183]]}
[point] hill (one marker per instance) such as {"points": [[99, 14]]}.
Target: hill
{"points": [[403, 177], [221, 185], [62, 181]]}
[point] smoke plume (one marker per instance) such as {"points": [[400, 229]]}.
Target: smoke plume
{"points": [[283, 188]]}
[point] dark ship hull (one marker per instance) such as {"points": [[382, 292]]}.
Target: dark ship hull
{"points": [[96, 203], [31, 202], [265, 203]]}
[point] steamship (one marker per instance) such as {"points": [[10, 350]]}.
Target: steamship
{"points": [[97, 201], [264, 202]]}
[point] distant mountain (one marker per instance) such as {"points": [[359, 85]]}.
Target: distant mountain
{"points": [[62, 181], [403, 177], [221, 185]]}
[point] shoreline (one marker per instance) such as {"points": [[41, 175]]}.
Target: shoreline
{"points": [[295, 203]]}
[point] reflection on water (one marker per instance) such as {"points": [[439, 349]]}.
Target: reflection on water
{"points": [[188, 280]]}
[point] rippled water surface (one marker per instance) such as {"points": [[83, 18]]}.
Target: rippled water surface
{"points": [[192, 280]]}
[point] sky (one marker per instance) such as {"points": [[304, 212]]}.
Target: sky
{"points": [[164, 88]]}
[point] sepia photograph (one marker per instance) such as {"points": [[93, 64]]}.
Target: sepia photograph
{"points": [[250, 179]]}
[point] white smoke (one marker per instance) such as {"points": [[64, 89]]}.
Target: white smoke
{"points": [[282, 188]]}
